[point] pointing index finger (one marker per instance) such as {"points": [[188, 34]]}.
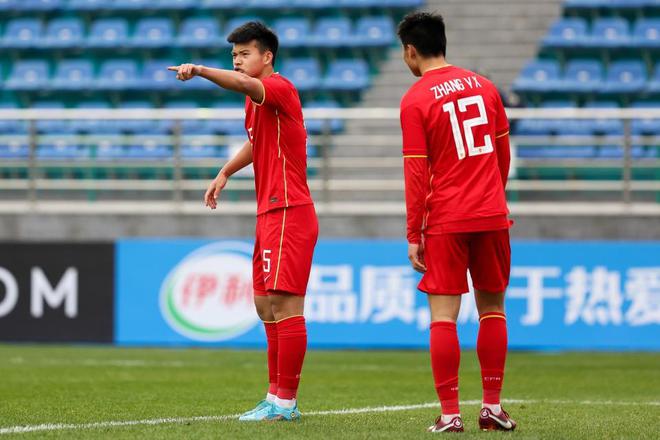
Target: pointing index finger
{"points": [[173, 68]]}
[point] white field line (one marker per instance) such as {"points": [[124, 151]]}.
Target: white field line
{"points": [[347, 411]]}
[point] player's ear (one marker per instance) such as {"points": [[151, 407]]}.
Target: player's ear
{"points": [[267, 57]]}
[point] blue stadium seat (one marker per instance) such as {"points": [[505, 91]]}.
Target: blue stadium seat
{"points": [[649, 127], [228, 126], [267, 4], [38, 5], [200, 32], [63, 32], [610, 32], [177, 4], [222, 4], [349, 75], [28, 75], [155, 76], [646, 33], [605, 127], [566, 32], [73, 75], [332, 32], [127, 4], [313, 4], [22, 33], [238, 21], [374, 31], [111, 148], [61, 148], [316, 126], [8, 5], [153, 32], [189, 126], [117, 74], [149, 147], [582, 76], [626, 77], [305, 73], [16, 149], [141, 126], [292, 32], [52, 126], [196, 148], [653, 86], [110, 32], [85, 5], [616, 152], [9, 126], [538, 76], [95, 126]]}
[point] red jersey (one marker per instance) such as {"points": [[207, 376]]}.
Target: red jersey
{"points": [[452, 120], [276, 130]]}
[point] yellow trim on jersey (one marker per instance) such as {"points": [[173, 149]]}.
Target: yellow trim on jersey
{"points": [[289, 317], [279, 154], [414, 155], [279, 254], [264, 98], [270, 322], [502, 135]]}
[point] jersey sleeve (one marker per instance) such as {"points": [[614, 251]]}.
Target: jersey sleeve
{"points": [[277, 93], [415, 171], [501, 120]]}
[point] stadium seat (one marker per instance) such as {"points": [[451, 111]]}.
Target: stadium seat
{"points": [[200, 32], [95, 126], [61, 148], [110, 148], [73, 75], [177, 4], [305, 74], [127, 4], [15, 148], [566, 32], [332, 32], [647, 127], [8, 5], [141, 126], [605, 127], [155, 76], [63, 32], [292, 32], [28, 75], [200, 148], [538, 76], [110, 32], [646, 33], [625, 77], [267, 4], [22, 33], [10, 126], [117, 74], [228, 126], [149, 147], [582, 76], [313, 4], [52, 126], [38, 5], [189, 126], [238, 21], [153, 32], [317, 126], [610, 32], [349, 75], [374, 31], [85, 5], [222, 4], [653, 86]]}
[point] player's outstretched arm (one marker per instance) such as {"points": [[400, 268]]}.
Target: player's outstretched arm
{"points": [[227, 79], [242, 159]]}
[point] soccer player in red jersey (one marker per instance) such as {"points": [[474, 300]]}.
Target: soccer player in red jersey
{"points": [[287, 226], [456, 163]]}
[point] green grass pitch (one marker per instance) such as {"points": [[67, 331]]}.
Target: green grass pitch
{"points": [[91, 392]]}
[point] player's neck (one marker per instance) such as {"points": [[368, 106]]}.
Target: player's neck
{"points": [[429, 64], [268, 71]]}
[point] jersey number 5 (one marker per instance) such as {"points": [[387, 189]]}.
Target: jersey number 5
{"points": [[468, 126]]}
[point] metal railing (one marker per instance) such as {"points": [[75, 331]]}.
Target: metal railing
{"points": [[379, 157]]}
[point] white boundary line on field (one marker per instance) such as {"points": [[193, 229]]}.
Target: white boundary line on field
{"points": [[376, 409]]}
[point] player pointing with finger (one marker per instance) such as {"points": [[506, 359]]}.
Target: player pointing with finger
{"points": [[287, 227], [456, 162]]}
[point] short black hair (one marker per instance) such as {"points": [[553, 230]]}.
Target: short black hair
{"points": [[425, 31], [257, 31]]}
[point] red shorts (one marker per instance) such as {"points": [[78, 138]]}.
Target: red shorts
{"points": [[448, 257], [283, 250]]}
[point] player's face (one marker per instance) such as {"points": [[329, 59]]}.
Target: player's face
{"points": [[248, 59], [410, 58]]}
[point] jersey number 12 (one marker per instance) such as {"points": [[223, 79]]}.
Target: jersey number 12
{"points": [[468, 126]]}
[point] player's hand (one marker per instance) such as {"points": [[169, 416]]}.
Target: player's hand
{"points": [[214, 189], [416, 256], [184, 72]]}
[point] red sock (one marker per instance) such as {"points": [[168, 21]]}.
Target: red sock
{"points": [[292, 338], [445, 358], [491, 349], [271, 337]]}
